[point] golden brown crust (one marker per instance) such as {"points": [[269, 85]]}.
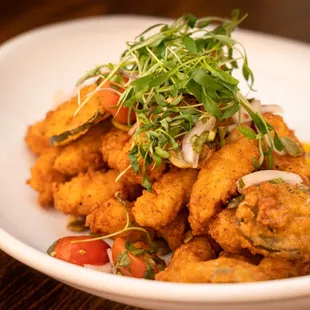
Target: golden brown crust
{"points": [[223, 230], [174, 232], [216, 180], [161, 206], [84, 153], [85, 191], [43, 176], [288, 163]]}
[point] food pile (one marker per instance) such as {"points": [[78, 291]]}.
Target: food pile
{"points": [[162, 153]]}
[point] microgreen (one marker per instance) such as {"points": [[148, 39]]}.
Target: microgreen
{"points": [[176, 76]]}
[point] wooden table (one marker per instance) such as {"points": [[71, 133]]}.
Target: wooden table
{"points": [[24, 288]]}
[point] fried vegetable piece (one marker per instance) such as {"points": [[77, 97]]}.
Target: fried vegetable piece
{"points": [[245, 257], [223, 230], [194, 262], [216, 180], [174, 232], [110, 217], [43, 176], [85, 191], [84, 153], [161, 206], [274, 220], [288, 163], [35, 138]]}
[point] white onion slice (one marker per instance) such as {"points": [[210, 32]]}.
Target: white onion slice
{"points": [[189, 155], [271, 108], [267, 175], [109, 252], [102, 268], [133, 129]]}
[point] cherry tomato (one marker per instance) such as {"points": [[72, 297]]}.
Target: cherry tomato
{"points": [[137, 266], [109, 100], [92, 252]]}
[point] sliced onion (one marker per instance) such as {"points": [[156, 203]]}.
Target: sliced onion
{"points": [[267, 175], [133, 129], [178, 161], [109, 252], [102, 268], [271, 108], [189, 155]]}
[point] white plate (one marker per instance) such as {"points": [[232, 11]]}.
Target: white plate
{"points": [[34, 66]]}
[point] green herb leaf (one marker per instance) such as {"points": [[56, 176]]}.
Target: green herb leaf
{"points": [[149, 273], [191, 20], [123, 260], [159, 80], [233, 203], [291, 147], [146, 183], [133, 158], [133, 250], [211, 107], [247, 132], [277, 142], [161, 152], [276, 181], [190, 44], [205, 80], [141, 83]]}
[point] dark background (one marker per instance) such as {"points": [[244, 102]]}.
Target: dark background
{"points": [[289, 18], [20, 286]]}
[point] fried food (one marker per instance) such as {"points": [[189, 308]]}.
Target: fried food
{"points": [[216, 180], [288, 163], [174, 232], [36, 139], [84, 153], [245, 257], [86, 191], [110, 217], [223, 230], [43, 176], [274, 220], [112, 144], [161, 206], [194, 262]]}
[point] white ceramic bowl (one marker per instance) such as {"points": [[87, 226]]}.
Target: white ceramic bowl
{"points": [[34, 67]]}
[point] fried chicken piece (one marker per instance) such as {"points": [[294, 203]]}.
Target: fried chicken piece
{"points": [[161, 206], [216, 180], [43, 176], [288, 163], [174, 232], [112, 144], [274, 220], [110, 217], [84, 153], [86, 191], [36, 140], [223, 230], [194, 262]]}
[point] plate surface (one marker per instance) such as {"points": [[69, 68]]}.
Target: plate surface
{"points": [[37, 65]]}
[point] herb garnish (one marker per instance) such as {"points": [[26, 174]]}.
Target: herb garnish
{"points": [[178, 76]]}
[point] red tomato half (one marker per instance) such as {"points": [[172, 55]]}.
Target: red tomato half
{"points": [[137, 266], [109, 100], [92, 252]]}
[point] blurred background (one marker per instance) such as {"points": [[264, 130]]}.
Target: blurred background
{"points": [[287, 18]]}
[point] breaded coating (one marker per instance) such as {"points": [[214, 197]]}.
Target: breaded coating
{"points": [[84, 153], [245, 256], [194, 262], [280, 268], [174, 232], [36, 139], [110, 217], [223, 230], [288, 163], [161, 206], [86, 191], [220, 270], [112, 144], [43, 176], [216, 180], [274, 220], [196, 250]]}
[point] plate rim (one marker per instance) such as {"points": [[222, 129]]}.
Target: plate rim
{"points": [[266, 291]]}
